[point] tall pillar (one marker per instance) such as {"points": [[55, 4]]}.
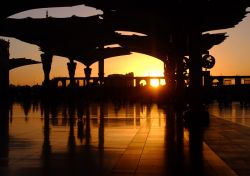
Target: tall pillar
{"points": [[180, 83], [207, 79], [46, 61], [169, 76], [195, 70], [87, 72], [72, 69], [4, 133], [101, 71], [197, 114], [4, 104], [4, 68]]}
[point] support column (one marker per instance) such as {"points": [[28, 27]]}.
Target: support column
{"points": [[46, 61], [101, 71], [197, 114], [72, 69], [87, 72], [180, 83], [207, 79], [195, 70], [4, 68], [4, 103], [169, 77], [4, 133]]}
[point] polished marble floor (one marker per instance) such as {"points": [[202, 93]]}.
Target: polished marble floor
{"points": [[229, 134], [117, 139], [235, 112]]}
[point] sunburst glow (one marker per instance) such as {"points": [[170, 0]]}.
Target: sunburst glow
{"points": [[154, 82]]}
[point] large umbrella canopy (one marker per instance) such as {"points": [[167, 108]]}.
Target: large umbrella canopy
{"points": [[11, 7], [98, 54], [159, 48], [18, 62], [75, 38], [167, 25], [156, 18], [201, 15], [83, 38], [83, 32]]}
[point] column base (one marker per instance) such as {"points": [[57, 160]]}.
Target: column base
{"points": [[196, 118]]}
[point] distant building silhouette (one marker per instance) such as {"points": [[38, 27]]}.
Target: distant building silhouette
{"points": [[120, 80]]}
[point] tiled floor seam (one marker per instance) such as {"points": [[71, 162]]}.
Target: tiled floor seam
{"points": [[138, 132], [216, 163], [149, 129]]}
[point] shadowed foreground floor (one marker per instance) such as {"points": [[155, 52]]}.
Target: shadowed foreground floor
{"points": [[154, 144], [230, 141], [145, 151]]}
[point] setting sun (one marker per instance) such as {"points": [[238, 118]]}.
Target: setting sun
{"points": [[154, 82]]}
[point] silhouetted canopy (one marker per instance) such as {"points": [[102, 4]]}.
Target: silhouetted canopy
{"points": [[12, 7], [159, 48], [98, 54], [18, 62], [166, 24], [82, 38], [203, 15], [75, 38]]}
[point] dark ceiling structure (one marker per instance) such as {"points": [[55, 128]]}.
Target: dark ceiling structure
{"points": [[12, 7], [166, 24], [175, 31], [18, 62], [76, 38], [84, 38]]}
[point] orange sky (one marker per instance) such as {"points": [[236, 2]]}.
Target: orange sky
{"points": [[232, 57]]}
